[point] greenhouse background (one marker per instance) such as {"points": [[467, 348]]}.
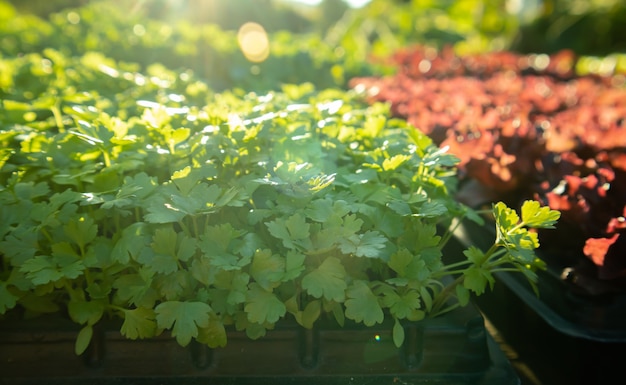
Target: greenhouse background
{"points": [[324, 44]]}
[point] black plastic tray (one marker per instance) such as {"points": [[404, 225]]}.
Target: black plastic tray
{"points": [[451, 349]]}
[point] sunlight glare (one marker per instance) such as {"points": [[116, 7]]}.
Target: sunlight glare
{"points": [[253, 42]]}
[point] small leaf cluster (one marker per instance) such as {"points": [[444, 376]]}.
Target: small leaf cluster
{"points": [[197, 212]]}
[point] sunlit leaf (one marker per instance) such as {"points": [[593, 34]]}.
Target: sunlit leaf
{"points": [[183, 318]]}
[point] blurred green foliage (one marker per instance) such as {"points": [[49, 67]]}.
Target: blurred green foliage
{"points": [[228, 14], [325, 45], [383, 26], [210, 51], [588, 27]]}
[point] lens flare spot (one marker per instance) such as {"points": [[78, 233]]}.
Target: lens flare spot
{"points": [[73, 18], [254, 42], [139, 30], [377, 338]]}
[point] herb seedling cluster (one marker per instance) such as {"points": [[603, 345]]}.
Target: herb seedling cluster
{"points": [[192, 212]]}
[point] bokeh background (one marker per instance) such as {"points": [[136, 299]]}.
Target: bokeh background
{"points": [[325, 42]]}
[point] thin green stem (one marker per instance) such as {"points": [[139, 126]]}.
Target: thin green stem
{"points": [[505, 269], [185, 228], [445, 294], [88, 277], [449, 233], [449, 272], [496, 255], [448, 268], [196, 229], [445, 310], [47, 235], [107, 158], [492, 250]]}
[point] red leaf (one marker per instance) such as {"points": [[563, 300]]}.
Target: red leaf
{"points": [[597, 248]]}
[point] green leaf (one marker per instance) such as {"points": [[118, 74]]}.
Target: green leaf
{"points": [[267, 269], [221, 237], [163, 212], [178, 135], [351, 225], [400, 261], [476, 279], [367, 244], [247, 245], [37, 303], [406, 304], [106, 181], [81, 231], [294, 231], [410, 266], [473, 216], [202, 270], [29, 190], [20, 246], [139, 323], [506, 219], [99, 290], [462, 294], [158, 263], [432, 209], [123, 198], [321, 210], [328, 281], [475, 255], [135, 289], [294, 265], [7, 299], [394, 162], [64, 251], [174, 285], [83, 339], [263, 306], [311, 313], [131, 244], [202, 199], [185, 317], [253, 330], [402, 304], [362, 305], [338, 313], [535, 216], [167, 242], [86, 312], [181, 176], [427, 298], [213, 335], [400, 207], [398, 333], [139, 186], [44, 269], [373, 126], [164, 241]]}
